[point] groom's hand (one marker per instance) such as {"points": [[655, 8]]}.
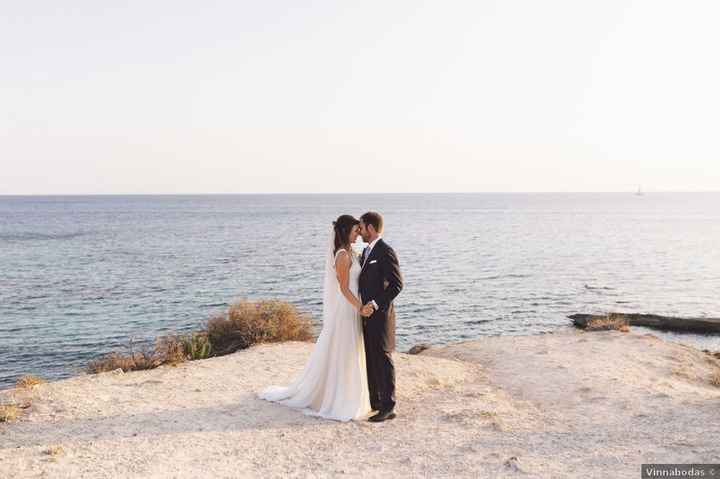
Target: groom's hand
{"points": [[367, 310]]}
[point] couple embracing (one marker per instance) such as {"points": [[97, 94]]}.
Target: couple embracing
{"points": [[350, 372]]}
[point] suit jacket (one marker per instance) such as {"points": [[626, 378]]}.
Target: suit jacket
{"points": [[380, 280]]}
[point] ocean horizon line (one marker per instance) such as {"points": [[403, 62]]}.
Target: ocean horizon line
{"points": [[629, 192]]}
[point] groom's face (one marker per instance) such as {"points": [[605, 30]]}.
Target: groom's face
{"points": [[364, 231]]}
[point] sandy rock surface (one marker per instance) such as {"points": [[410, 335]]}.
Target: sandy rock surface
{"points": [[555, 405]]}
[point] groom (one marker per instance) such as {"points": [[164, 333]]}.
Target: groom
{"points": [[379, 283]]}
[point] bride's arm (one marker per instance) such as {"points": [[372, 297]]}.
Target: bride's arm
{"points": [[342, 266]]}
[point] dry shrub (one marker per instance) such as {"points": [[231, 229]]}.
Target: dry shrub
{"points": [[715, 379], [684, 372], [8, 412], [167, 350], [170, 349], [135, 361], [247, 323], [28, 381], [244, 324], [197, 346], [54, 451], [612, 321]]}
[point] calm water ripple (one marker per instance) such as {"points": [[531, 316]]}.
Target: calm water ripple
{"points": [[83, 275]]}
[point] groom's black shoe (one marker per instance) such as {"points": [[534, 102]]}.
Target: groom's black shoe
{"points": [[382, 416]]}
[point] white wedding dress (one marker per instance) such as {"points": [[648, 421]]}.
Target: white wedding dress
{"points": [[334, 382]]}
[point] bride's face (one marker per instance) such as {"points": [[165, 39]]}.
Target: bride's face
{"points": [[354, 233]]}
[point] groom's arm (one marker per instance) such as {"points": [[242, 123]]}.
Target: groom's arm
{"points": [[391, 274]]}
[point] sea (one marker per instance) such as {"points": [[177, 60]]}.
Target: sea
{"points": [[82, 276]]}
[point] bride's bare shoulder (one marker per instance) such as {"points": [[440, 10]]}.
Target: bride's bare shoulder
{"points": [[342, 258]]}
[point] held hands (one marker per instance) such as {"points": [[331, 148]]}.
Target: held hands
{"points": [[367, 310]]}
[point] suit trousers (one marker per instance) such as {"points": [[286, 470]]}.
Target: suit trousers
{"points": [[380, 370]]}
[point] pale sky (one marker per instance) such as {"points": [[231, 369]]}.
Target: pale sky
{"points": [[343, 96]]}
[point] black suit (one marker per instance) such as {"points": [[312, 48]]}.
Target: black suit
{"points": [[380, 280]]}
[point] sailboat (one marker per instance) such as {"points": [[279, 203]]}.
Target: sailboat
{"points": [[639, 192]]}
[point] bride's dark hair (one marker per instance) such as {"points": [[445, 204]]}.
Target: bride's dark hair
{"points": [[343, 227]]}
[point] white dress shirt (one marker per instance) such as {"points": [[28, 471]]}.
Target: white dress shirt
{"points": [[367, 255], [370, 246]]}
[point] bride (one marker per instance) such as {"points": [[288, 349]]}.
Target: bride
{"points": [[334, 382]]}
